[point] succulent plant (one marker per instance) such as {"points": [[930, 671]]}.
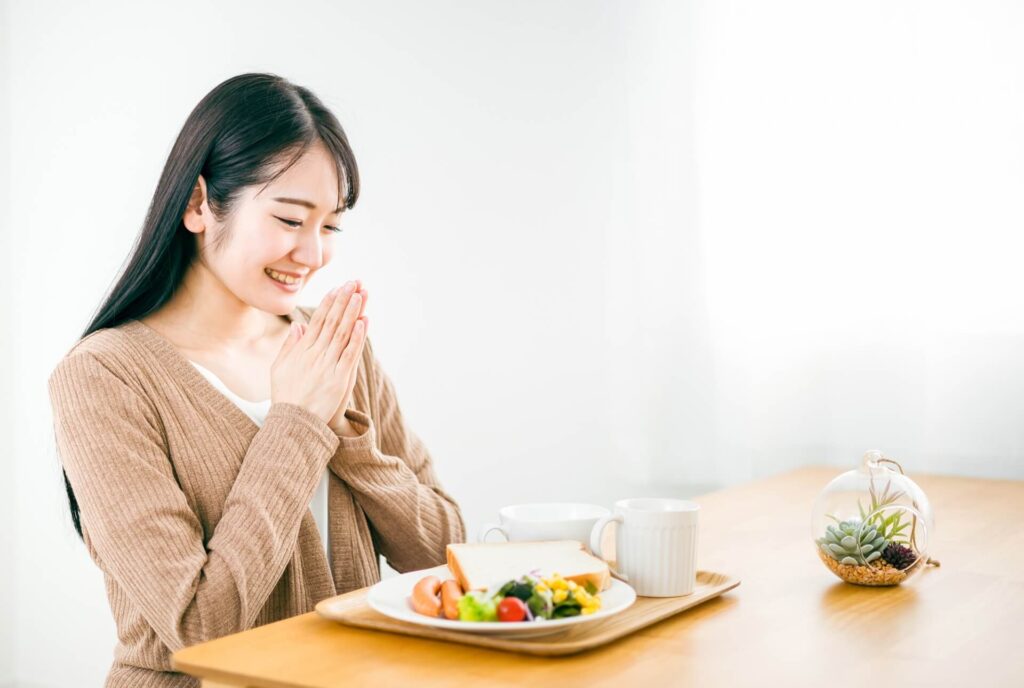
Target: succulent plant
{"points": [[889, 527], [899, 555], [852, 542]]}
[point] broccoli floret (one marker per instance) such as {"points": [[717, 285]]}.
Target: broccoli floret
{"points": [[475, 605]]}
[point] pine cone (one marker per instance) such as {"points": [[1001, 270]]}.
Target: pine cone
{"points": [[899, 555]]}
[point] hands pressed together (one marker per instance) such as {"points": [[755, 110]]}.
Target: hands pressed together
{"points": [[317, 365]]}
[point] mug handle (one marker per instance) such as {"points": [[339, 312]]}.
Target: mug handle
{"points": [[595, 541], [486, 530]]}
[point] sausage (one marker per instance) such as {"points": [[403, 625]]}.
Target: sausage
{"points": [[451, 593], [425, 598]]}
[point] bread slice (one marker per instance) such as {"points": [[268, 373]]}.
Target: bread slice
{"points": [[479, 565]]}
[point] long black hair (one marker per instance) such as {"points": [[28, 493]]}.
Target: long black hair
{"points": [[248, 130]]}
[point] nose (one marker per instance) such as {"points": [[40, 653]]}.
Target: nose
{"points": [[310, 250]]}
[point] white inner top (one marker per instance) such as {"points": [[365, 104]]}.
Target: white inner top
{"points": [[257, 410]]}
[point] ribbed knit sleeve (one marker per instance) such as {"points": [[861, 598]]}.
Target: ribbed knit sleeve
{"points": [[391, 475], [136, 519]]}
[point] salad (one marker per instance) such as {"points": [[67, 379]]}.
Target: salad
{"points": [[530, 597]]}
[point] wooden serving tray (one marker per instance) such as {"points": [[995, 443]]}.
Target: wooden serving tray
{"points": [[351, 609]]}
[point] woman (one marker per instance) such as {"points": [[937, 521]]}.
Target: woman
{"points": [[210, 429]]}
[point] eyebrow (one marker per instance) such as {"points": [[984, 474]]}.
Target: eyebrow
{"points": [[307, 204]]}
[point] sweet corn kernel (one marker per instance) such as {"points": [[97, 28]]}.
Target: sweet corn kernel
{"points": [[559, 596]]}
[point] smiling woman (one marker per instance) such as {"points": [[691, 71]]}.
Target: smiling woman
{"points": [[262, 228], [232, 457]]}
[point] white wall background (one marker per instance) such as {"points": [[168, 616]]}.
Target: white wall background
{"points": [[8, 513], [614, 248]]}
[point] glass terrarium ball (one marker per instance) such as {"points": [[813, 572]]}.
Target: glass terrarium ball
{"points": [[872, 525]]}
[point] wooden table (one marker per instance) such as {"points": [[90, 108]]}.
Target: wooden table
{"points": [[791, 622]]}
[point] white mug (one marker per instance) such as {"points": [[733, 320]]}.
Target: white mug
{"points": [[546, 521], [655, 545]]}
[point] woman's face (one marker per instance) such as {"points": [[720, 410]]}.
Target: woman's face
{"points": [[282, 232]]}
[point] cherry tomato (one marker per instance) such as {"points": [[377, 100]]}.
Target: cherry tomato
{"points": [[511, 609]]}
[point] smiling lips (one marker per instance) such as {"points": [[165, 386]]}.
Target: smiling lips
{"points": [[283, 277]]}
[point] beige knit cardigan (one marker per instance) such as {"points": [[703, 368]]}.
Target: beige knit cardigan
{"points": [[199, 518]]}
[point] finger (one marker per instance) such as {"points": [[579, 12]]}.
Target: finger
{"points": [[344, 330], [333, 318], [346, 365], [317, 321], [358, 289], [354, 350], [362, 292]]}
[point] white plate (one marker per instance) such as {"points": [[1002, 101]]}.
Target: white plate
{"points": [[391, 598]]}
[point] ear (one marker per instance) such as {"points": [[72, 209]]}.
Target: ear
{"points": [[198, 210]]}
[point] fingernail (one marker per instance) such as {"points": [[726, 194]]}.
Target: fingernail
{"points": [[349, 287]]}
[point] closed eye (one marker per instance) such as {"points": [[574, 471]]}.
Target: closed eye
{"points": [[295, 223]]}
